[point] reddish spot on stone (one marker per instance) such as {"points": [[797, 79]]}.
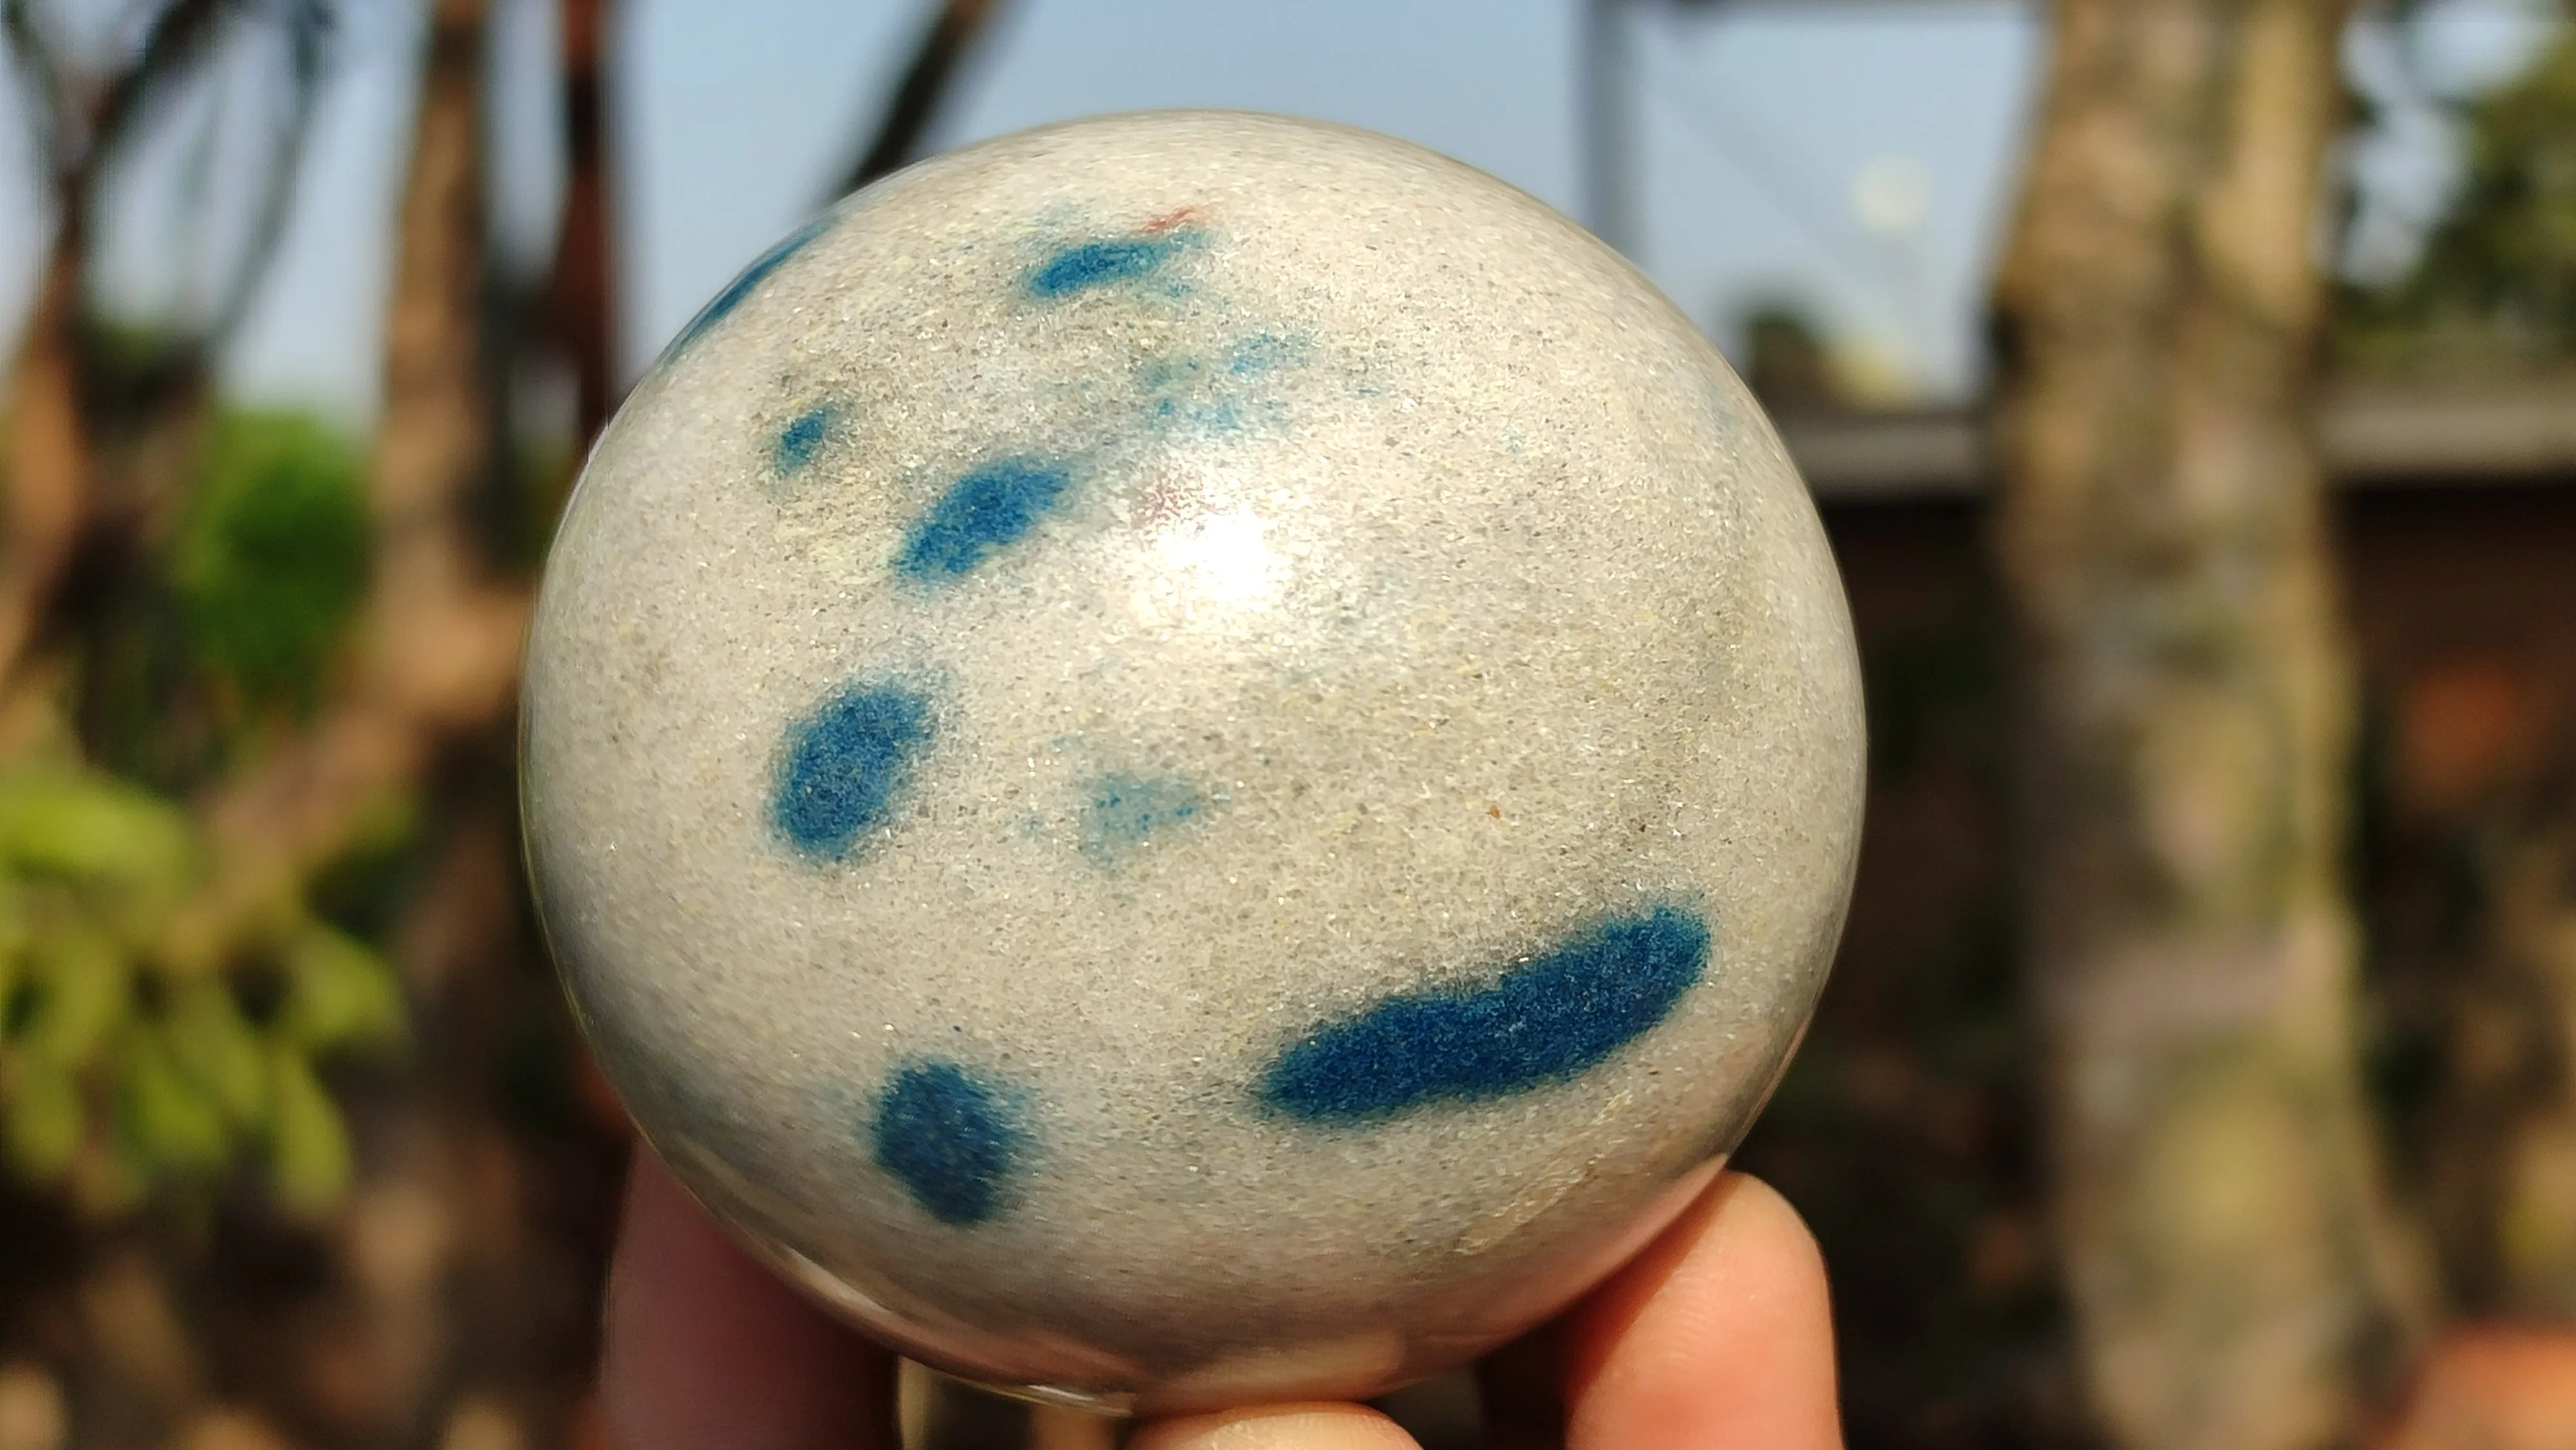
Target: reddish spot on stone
{"points": [[1166, 501], [1169, 220]]}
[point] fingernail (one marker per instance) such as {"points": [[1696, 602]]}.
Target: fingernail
{"points": [[1283, 1427]]}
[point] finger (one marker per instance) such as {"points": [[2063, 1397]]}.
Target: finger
{"points": [[1278, 1427], [705, 1347], [1720, 1333]]}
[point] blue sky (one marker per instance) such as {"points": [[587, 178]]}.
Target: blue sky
{"points": [[1766, 129]]}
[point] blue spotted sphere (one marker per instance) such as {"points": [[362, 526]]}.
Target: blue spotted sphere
{"points": [[1192, 758]]}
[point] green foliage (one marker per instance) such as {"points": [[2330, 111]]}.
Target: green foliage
{"points": [[93, 829], [167, 1116], [309, 1159], [123, 1073], [2497, 282], [214, 1045], [131, 1065], [270, 562], [42, 1112], [338, 994], [135, 1062]]}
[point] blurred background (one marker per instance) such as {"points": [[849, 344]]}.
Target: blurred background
{"points": [[2189, 387]]}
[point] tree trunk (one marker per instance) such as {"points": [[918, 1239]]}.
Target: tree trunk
{"points": [[49, 462], [433, 655], [436, 1206], [2532, 926], [48, 478], [441, 654], [2188, 723]]}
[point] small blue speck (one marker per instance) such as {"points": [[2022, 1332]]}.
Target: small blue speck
{"points": [[949, 1138], [1086, 265], [742, 286], [1543, 1022], [1169, 372], [801, 439], [983, 511], [1263, 352], [1126, 809], [844, 763]]}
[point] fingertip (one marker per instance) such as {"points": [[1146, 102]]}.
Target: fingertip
{"points": [[1278, 1427], [703, 1346], [1720, 1332]]}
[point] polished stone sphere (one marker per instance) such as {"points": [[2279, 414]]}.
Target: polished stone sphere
{"points": [[1192, 758]]}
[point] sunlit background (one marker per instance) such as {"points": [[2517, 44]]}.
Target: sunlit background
{"points": [[1849, 161]]}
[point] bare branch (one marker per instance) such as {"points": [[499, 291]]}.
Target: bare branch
{"points": [[35, 58], [179, 359], [48, 503], [925, 84], [179, 37], [309, 24]]}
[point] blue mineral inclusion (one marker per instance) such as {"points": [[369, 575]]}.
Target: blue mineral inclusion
{"points": [[1219, 395], [1086, 265], [988, 508], [1263, 352], [741, 287], [1543, 1022], [802, 438], [949, 1138], [1126, 809], [844, 763]]}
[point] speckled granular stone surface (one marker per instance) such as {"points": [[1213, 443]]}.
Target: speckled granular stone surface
{"points": [[1192, 757]]}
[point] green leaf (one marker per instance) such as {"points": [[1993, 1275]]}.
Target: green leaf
{"points": [[14, 928], [40, 1116], [173, 1122], [339, 994], [92, 828], [270, 561], [220, 1050], [308, 1146], [12, 974], [81, 986], [2493, 289]]}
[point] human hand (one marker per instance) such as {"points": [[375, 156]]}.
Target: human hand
{"points": [[1716, 1335]]}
